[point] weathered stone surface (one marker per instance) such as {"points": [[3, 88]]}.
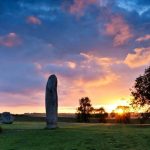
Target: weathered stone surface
{"points": [[7, 118], [51, 100]]}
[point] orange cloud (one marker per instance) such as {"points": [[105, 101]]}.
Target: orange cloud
{"points": [[101, 81], [140, 58], [105, 62], [71, 64], [34, 20], [99, 64], [144, 38], [119, 29], [10, 40]]}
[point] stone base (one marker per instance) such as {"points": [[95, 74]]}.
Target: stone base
{"points": [[50, 127]]}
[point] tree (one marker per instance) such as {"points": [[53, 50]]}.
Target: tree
{"points": [[141, 94], [84, 110], [141, 90], [101, 114]]}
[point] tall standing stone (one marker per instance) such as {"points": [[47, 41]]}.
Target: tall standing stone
{"points": [[51, 100]]}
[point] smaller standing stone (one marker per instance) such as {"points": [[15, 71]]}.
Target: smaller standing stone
{"points": [[7, 118]]}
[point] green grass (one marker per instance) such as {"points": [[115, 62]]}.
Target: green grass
{"points": [[74, 136]]}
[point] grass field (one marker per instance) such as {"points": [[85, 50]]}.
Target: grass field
{"points": [[74, 136]]}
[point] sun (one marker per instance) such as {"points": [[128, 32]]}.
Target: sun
{"points": [[119, 111]]}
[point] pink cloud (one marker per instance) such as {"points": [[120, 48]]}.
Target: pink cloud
{"points": [[140, 57], [119, 29], [80, 5], [144, 38], [33, 20], [10, 40]]}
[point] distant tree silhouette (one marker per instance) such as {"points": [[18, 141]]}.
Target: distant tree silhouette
{"points": [[122, 114], [112, 114], [101, 114], [141, 94], [84, 110]]}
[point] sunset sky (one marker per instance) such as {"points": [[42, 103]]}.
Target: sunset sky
{"points": [[96, 48]]}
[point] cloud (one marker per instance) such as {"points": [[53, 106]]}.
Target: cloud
{"points": [[141, 57], [34, 20], [75, 49], [72, 65], [79, 6], [20, 78], [88, 76], [32, 50], [32, 98], [144, 38], [119, 30], [10, 40], [92, 70], [139, 6]]}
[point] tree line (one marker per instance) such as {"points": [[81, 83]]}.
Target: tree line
{"points": [[85, 112], [140, 93]]}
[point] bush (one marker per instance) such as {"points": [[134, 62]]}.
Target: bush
{"points": [[100, 114], [144, 117]]}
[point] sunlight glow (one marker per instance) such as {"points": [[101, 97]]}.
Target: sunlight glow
{"points": [[119, 111]]}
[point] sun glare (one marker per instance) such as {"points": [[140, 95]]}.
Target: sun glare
{"points": [[119, 111]]}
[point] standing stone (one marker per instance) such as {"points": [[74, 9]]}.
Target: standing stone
{"points": [[7, 118], [51, 100]]}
